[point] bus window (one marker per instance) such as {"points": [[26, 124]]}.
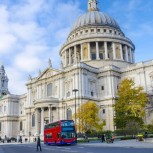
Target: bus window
{"points": [[59, 135], [67, 123], [48, 136], [68, 135]]}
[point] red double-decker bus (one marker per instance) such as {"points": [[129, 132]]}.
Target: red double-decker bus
{"points": [[61, 132]]}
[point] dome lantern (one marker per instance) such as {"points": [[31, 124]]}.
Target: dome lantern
{"points": [[92, 5]]}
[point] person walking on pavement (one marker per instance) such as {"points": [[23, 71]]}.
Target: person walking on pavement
{"points": [[102, 138], [38, 144]]}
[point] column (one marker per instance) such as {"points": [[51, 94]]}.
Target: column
{"points": [[36, 121], [121, 51], [126, 50], [49, 113], [97, 50], [114, 51], [131, 60], [69, 56], [75, 54], [65, 57], [42, 121], [81, 52], [106, 51], [89, 56]]}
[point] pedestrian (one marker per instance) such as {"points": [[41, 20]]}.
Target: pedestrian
{"points": [[102, 138], [38, 144]]}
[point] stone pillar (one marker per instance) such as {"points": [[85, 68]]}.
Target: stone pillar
{"points": [[75, 54], [126, 50], [97, 50], [81, 46], [114, 50], [42, 121], [36, 122], [121, 51], [49, 113], [131, 59], [65, 58], [89, 55], [69, 56], [106, 51]]}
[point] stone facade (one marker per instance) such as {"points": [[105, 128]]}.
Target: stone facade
{"points": [[95, 58]]}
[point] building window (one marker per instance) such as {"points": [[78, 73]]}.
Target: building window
{"points": [[92, 94], [98, 30], [81, 32], [86, 31], [33, 120], [49, 89], [93, 56], [101, 55], [3, 83], [115, 32], [104, 30], [110, 31], [21, 126], [104, 111], [92, 30], [102, 87]]}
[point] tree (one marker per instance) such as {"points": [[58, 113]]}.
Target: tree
{"points": [[130, 105], [87, 116]]}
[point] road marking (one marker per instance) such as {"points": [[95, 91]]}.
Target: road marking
{"points": [[66, 148], [68, 151], [80, 147]]}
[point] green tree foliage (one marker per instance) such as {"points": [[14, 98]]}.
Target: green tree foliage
{"points": [[87, 117], [130, 105]]}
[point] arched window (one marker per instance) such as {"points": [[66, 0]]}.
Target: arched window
{"points": [[49, 90], [69, 114], [33, 120]]}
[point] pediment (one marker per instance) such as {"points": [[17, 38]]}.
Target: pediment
{"points": [[48, 73]]}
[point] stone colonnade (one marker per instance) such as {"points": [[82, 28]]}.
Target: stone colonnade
{"points": [[39, 116], [98, 51]]}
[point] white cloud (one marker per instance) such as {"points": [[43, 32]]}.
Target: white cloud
{"points": [[6, 42], [31, 32], [17, 81]]}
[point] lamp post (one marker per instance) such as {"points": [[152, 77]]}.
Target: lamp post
{"points": [[75, 90]]}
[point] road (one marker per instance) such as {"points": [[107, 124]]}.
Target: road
{"points": [[79, 148]]}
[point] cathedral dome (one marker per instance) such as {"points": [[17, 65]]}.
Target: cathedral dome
{"points": [[95, 18]]}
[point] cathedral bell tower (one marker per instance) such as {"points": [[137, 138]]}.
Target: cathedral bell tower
{"points": [[92, 5], [3, 82]]}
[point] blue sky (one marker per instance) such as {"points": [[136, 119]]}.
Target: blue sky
{"points": [[32, 31]]}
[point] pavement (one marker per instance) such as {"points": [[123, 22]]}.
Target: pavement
{"points": [[148, 143]]}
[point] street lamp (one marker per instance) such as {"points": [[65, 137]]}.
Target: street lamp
{"points": [[75, 90]]}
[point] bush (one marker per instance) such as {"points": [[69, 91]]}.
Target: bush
{"points": [[128, 137]]}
